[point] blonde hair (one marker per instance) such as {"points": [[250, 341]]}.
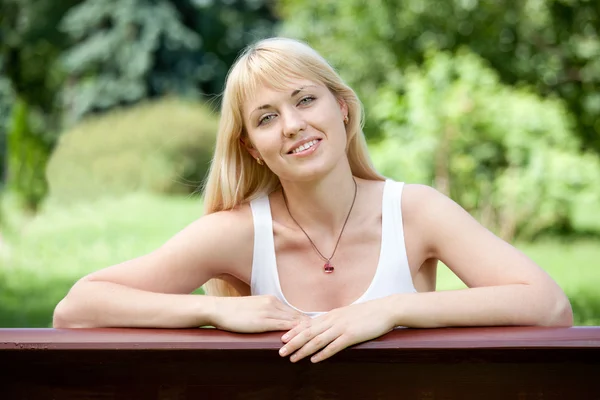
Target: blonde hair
{"points": [[234, 176]]}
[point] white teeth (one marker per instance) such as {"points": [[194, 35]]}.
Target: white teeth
{"points": [[304, 146]]}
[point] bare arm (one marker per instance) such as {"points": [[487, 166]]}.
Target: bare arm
{"points": [[505, 286], [154, 290]]}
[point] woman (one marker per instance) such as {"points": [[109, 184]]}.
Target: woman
{"points": [[301, 234]]}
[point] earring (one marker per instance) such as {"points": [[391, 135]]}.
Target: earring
{"points": [[346, 119], [259, 161]]}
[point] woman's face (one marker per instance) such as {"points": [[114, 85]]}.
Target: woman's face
{"points": [[298, 132]]}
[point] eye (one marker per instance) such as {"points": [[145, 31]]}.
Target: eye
{"points": [[307, 100], [265, 119]]}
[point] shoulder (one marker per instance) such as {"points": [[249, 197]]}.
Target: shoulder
{"points": [[443, 223], [418, 199], [227, 227], [239, 217], [428, 205], [431, 214], [224, 236]]}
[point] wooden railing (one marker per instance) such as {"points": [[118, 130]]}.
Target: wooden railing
{"points": [[451, 363]]}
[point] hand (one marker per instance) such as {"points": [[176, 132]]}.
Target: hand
{"points": [[253, 314], [336, 330]]}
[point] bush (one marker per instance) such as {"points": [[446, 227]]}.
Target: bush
{"points": [[163, 146], [505, 154]]}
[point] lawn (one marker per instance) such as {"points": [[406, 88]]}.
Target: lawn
{"points": [[47, 254]]}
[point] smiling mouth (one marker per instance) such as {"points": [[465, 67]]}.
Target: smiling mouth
{"points": [[304, 147]]}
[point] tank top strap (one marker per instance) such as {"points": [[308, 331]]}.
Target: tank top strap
{"points": [[264, 273], [395, 264]]}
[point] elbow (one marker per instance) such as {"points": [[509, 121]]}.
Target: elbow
{"points": [[560, 312], [66, 315], [60, 317], [63, 316]]}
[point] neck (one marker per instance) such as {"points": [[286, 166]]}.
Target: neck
{"points": [[324, 203]]}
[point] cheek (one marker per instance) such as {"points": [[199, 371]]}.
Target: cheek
{"points": [[267, 142]]}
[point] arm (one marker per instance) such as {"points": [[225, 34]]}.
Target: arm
{"points": [[154, 290], [505, 286]]}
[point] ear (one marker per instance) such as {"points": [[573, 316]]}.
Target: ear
{"points": [[249, 147], [343, 107]]}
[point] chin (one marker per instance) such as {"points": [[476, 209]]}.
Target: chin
{"points": [[313, 171]]}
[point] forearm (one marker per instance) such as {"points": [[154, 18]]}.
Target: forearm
{"points": [[516, 304], [92, 304]]}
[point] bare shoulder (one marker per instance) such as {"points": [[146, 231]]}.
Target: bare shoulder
{"points": [[420, 201], [436, 219], [224, 234], [213, 245]]}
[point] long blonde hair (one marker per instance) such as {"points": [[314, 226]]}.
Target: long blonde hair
{"points": [[234, 176]]}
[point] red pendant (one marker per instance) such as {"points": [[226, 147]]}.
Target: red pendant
{"points": [[328, 268]]}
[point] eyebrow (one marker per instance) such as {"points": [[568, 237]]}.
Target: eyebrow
{"points": [[294, 93]]}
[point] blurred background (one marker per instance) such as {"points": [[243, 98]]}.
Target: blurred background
{"points": [[109, 108]]}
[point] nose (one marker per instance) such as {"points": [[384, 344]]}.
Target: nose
{"points": [[293, 123]]}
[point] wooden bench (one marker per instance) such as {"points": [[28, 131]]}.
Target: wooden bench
{"points": [[450, 363]]}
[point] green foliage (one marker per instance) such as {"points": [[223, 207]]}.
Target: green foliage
{"points": [[161, 146], [6, 100], [553, 45], [28, 153], [129, 50], [29, 48], [506, 155], [116, 42]]}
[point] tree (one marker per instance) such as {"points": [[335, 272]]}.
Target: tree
{"points": [[129, 50], [553, 45], [29, 48]]}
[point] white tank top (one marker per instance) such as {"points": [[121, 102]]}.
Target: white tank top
{"points": [[391, 276]]}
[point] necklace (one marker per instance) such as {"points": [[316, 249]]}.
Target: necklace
{"points": [[328, 268]]}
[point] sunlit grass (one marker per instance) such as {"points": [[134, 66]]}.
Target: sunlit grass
{"points": [[48, 254]]}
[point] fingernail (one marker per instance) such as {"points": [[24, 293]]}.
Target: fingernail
{"points": [[285, 337], [282, 351]]}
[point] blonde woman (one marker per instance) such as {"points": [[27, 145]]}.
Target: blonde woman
{"points": [[301, 234]]}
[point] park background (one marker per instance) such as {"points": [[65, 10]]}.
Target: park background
{"points": [[109, 108]]}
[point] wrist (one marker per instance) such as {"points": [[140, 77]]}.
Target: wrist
{"points": [[207, 310], [393, 307]]}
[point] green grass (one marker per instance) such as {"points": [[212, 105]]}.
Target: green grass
{"points": [[47, 254], [61, 245]]}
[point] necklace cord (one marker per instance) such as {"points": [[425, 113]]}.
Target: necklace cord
{"points": [[306, 234]]}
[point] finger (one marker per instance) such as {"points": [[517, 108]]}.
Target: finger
{"points": [[332, 348], [315, 344], [306, 334], [303, 324]]}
